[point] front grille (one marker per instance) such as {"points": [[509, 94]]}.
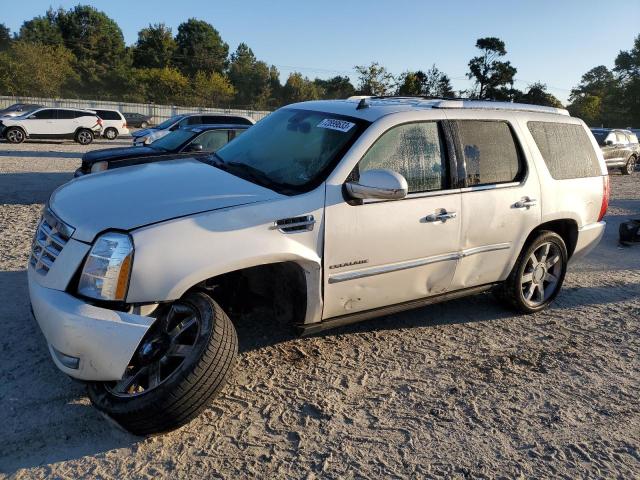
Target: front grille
{"points": [[51, 236]]}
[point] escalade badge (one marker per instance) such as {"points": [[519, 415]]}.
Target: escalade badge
{"points": [[348, 264]]}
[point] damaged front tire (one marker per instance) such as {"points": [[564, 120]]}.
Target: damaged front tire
{"points": [[182, 363]]}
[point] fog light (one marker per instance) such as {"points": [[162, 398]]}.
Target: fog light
{"points": [[66, 360]]}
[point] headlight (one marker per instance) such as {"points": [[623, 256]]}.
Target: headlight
{"points": [[105, 275], [99, 167]]}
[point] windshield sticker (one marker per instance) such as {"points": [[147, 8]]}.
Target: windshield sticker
{"points": [[333, 124]]}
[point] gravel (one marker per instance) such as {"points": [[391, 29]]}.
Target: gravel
{"points": [[464, 389]]}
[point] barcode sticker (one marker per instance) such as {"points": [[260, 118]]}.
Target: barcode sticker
{"points": [[333, 124]]}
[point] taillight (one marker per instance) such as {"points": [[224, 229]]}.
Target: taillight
{"points": [[605, 197], [124, 125], [100, 121]]}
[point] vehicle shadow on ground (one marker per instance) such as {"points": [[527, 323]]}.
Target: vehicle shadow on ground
{"points": [[45, 417], [37, 154], [30, 188]]}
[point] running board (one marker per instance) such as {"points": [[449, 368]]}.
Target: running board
{"points": [[313, 328]]}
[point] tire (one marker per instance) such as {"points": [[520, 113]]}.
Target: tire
{"points": [[84, 136], [187, 388], [629, 167], [15, 135], [144, 125], [111, 133], [531, 288]]}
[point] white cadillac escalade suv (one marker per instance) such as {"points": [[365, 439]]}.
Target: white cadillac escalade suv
{"points": [[335, 211]]}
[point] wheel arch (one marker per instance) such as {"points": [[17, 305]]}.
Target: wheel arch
{"points": [[567, 228]]}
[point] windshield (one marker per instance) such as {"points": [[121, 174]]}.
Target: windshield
{"points": [[173, 140], [292, 149], [167, 123]]}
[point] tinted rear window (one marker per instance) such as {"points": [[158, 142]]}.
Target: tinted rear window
{"points": [[566, 150], [225, 120], [108, 115], [490, 153]]}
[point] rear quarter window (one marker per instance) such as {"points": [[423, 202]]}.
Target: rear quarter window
{"points": [[566, 150]]}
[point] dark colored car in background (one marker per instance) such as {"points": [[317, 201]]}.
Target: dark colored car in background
{"points": [[149, 135], [619, 147], [18, 109], [189, 141], [136, 120]]}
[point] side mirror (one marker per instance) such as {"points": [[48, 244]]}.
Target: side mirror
{"points": [[608, 143], [194, 147], [380, 183]]}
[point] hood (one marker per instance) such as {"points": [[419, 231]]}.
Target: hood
{"points": [[119, 153], [126, 198], [144, 132]]}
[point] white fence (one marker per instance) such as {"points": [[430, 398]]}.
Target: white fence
{"points": [[158, 113]]}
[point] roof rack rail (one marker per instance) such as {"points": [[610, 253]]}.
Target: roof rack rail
{"points": [[444, 102], [490, 105]]}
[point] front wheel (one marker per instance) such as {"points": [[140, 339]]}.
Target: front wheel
{"points": [[182, 363], [630, 166], [144, 125], [84, 137], [111, 133], [538, 274]]}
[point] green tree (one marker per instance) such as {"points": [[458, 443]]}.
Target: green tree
{"points": [[492, 76], [5, 37], [588, 108], [155, 47], [43, 29], [336, 87], [33, 69], [164, 85], [98, 44], [432, 83], [275, 88], [298, 89], [200, 48], [250, 77], [538, 95], [627, 67], [212, 90], [374, 79]]}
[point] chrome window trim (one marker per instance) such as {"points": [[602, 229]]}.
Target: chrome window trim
{"points": [[410, 196], [395, 267], [491, 186]]}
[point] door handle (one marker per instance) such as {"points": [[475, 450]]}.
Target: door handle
{"points": [[525, 202], [443, 216]]}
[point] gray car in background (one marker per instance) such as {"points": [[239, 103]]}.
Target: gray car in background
{"points": [[619, 147]]}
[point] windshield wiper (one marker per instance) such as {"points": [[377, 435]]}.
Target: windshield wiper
{"points": [[250, 173]]}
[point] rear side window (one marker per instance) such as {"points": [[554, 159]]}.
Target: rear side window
{"points": [[67, 114], [566, 150], [225, 120], [415, 151], [48, 114], [108, 115], [490, 153]]}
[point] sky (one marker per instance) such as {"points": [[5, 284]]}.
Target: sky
{"points": [[552, 41]]}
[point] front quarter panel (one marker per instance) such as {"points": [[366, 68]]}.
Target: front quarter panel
{"points": [[173, 256]]}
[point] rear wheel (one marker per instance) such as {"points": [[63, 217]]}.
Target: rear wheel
{"points": [[111, 133], [84, 136], [630, 167], [538, 274], [144, 125], [180, 365], [15, 135]]}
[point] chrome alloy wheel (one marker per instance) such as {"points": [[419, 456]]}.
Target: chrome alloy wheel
{"points": [[84, 137], [161, 353], [15, 135], [541, 276]]}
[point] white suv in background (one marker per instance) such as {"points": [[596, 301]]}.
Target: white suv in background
{"points": [[52, 123], [113, 123], [326, 213]]}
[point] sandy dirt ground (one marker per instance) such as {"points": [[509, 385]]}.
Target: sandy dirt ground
{"points": [[463, 389]]}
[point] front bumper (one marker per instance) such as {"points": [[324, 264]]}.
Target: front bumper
{"points": [[102, 340], [588, 238]]}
